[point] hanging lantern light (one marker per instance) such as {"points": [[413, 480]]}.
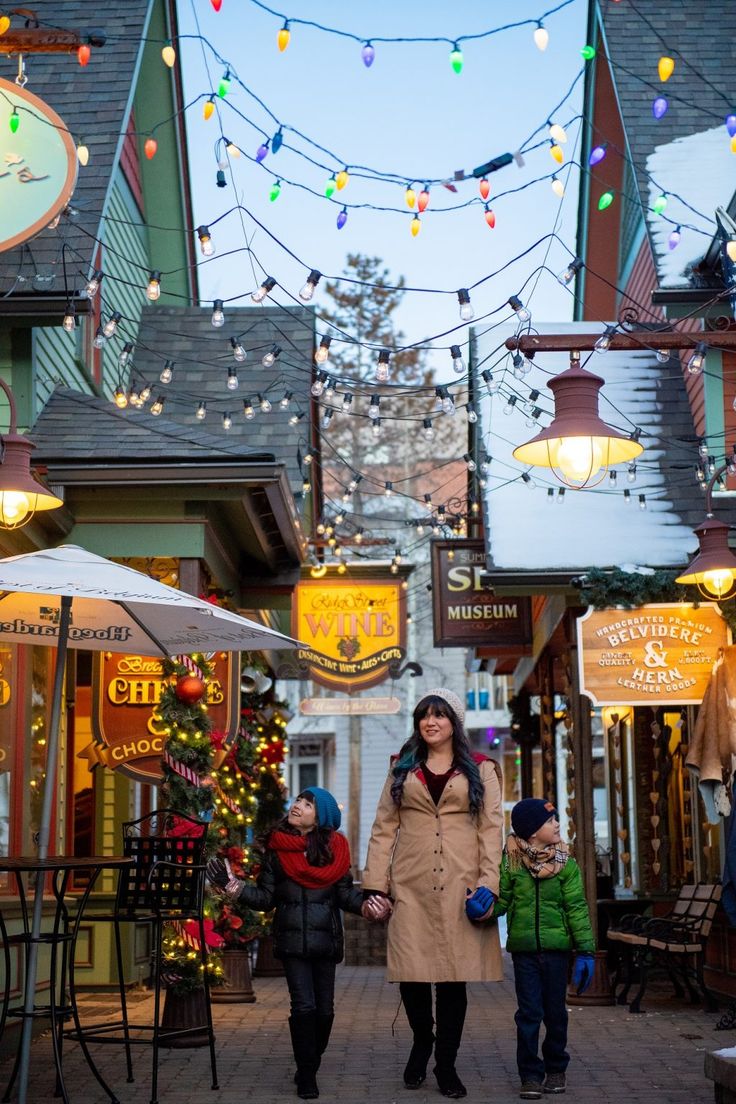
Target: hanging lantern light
{"points": [[713, 570], [577, 445]]}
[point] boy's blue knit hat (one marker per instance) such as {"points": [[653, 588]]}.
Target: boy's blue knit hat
{"points": [[328, 811], [529, 815]]}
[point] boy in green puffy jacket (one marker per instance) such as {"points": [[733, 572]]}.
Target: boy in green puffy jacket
{"points": [[542, 892]]}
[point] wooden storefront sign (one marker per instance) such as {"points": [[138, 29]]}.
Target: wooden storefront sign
{"points": [[354, 631], [654, 655], [349, 707], [125, 692], [467, 615]]}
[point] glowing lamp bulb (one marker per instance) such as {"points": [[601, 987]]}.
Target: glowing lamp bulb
{"points": [[411, 197], [660, 107], [205, 241], [718, 582], [120, 398], [423, 200], [558, 187], [153, 291], [416, 226], [283, 38], [14, 122], [456, 58], [342, 218], [665, 68], [484, 188], [83, 54], [168, 55], [731, 249], [556, 153], [307, 292], [541, 37], [201, 412], [218, 314], [341, 179], [149, 148], [605, 201], [69, 318], [596, 154], [82, 154], [275, 192], [368, 54], [208, 109], [579, 458]]}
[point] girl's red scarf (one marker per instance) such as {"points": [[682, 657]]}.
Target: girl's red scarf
{"points": [[291, 854]]}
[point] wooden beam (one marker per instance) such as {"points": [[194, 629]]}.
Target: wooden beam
{"points": [[630, 341], [46, 40]]}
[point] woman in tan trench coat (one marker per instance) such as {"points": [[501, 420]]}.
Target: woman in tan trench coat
{"points": [[437, 836]]}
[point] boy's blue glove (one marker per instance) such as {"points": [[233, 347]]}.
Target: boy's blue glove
{"points": [[582, 973], [477, 904]]}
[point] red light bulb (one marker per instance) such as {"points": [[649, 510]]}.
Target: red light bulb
{"points": [[216, 4], [490, 217], [485, 188], [83, 54], [423, 200], [150, 147]]}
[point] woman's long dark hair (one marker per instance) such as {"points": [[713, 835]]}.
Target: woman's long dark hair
{"points": [[414, 752], [319, 851]]}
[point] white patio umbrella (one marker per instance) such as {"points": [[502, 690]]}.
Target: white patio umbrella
{"points": [[69, 598]]}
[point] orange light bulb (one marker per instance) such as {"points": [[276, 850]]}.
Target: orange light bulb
{"points": [[423, 200]]}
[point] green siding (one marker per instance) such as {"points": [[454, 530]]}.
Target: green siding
{"points": [[57, 359], [126, 264]]}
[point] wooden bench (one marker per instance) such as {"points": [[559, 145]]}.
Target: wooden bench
{"points": [[674, 943]]}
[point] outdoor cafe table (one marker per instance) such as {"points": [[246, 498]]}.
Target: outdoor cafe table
{"points": [[60, 936]]}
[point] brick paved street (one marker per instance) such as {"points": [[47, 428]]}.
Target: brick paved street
{"points": [[616, 1057]]}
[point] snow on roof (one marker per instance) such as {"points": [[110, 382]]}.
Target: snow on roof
{"points": [[592, 528], [699, 168]]}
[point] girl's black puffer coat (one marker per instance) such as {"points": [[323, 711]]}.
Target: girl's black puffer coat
{"points": [[307, 923]]}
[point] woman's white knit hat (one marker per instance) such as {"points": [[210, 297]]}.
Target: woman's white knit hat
{"points": [[455, 703]]}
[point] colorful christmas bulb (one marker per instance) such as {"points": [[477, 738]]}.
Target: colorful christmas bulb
{"points": [[216, 4], [456, 58], [149, 147], [168, 55], [557, 133], [588, 53], [423, 200], [556, 153], [731, 125], [665, 68], [410, 196], [224, 86], [484, 188], [660, 204], [277, 141], [14, 121], [674, 239], [82, 154], [368, 55], [4, 24], [558, 187], [416, 226], [283, 38], [275, 190], [341, 179], [262, 152], [83, 54], [733, 144], [490, 217], [330, 187], [660, 107], [342, 218], [541, 37], [605, 201], [597, 154], [208, 109]]}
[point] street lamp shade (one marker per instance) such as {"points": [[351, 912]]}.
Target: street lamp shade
{"points": [[20, 494], [713, 570], [577, 444]]}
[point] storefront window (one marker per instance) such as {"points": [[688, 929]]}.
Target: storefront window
{"points": [[42, 670], [7, 727]]}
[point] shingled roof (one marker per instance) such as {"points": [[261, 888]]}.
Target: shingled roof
{"points": [[75, 426], [698, 37], [74, 92]]}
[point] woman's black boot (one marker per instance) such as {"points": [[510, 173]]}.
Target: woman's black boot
{"points": [[303, 1029], [417, 998], [452, 1003]]}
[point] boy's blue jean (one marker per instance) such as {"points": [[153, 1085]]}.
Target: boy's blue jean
{"points": [[541, 983]]}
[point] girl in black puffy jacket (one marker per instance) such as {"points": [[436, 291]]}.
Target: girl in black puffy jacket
{"points": [[305, 877]]}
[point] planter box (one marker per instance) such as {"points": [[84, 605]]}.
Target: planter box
{"points": [[238, 987]]}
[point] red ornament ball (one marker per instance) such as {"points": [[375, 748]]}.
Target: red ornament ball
{"points": [[189, 689]]}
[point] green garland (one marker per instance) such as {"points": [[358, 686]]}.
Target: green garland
{"points": [[631, 589]]}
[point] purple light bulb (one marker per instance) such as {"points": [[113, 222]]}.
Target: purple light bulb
{"points": [[731, 125], [660, 107], [261, 152], [674, 239], [596, 154], [342, 218], [368, 55]]}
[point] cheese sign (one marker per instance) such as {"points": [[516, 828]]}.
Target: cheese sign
{"points": [[354, 631], [653, 655], [38, 165]]}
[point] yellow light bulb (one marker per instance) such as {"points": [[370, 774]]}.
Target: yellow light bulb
{"points": [[416, 226], [556, 153], [283, 38], [341, 179], [14, 507], [718, 582], [665, 68], [82, 154], [731, 249], [579, 458], [208, 109], [168, 54], [411, 197]]}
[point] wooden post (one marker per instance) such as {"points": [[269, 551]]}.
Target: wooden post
{"points": [[354, 787]]}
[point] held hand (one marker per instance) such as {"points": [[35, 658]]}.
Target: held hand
{"points": [[582, 973], [219, 872], [376, 908], [479, 905]]}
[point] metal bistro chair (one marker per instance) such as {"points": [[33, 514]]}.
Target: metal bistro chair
{"points": [[164, 883]]}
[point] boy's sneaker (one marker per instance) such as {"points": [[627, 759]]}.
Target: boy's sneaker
{"points": [[531, 1090], [554, 1083]]}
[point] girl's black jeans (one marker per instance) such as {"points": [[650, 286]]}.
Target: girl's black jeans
{"points": [[311, 984]]}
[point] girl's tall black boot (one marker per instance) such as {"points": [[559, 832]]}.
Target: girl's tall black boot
{"points": [[303, 1029]]}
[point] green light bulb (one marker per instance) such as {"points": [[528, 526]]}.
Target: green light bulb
{"points": [[588, 53], [330, 187], [605, 201], [14, 120], [275, 191], [456, 58], [224, 86], [660, 203]]}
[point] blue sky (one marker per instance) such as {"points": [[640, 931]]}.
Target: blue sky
{"points": [[409, 114]]}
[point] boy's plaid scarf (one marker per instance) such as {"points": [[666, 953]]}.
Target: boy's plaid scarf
{"points": [[541, 862]]}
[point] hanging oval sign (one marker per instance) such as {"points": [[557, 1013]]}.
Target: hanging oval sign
{"points": [[38, 165]]}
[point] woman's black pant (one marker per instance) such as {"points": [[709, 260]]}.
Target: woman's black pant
{"points": [[311, 983], [451, 1002]]}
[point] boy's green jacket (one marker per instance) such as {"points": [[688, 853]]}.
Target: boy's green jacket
{"points": [[544, 914]]}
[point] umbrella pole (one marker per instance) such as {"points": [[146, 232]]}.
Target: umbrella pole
{"points": [[44, 833]]}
